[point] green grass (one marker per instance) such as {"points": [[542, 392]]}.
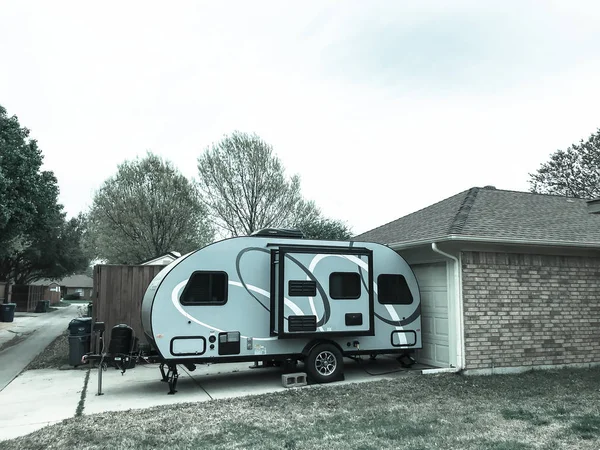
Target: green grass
{"points": [[535, 410], [586, 426]]}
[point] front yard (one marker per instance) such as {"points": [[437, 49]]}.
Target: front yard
{"points": [[535, 410]]}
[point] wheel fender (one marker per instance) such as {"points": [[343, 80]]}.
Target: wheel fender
{"points": [[312, 344]]}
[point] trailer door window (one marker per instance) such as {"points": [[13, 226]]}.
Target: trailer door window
{"points": [[344, 285], [393, 290], [205, 288]]}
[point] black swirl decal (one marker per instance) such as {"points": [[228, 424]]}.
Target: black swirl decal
{"points": [[239, 274], [322, 293], [401, 323], [397, 323]]}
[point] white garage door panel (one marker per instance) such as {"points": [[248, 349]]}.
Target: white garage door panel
{"points": [[441, 327], [426, 324], [441, 355], [433, 285]]}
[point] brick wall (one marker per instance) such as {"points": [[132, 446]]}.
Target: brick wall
{"points": [[529, 310]]}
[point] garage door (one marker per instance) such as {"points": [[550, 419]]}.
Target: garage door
{"points": [[433, 285]]}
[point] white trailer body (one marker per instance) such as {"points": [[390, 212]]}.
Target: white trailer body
{"points": [[272, 298]]}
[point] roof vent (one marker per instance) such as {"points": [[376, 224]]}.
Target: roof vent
{"points": [[490, 187], [593, 206], [279, 232]]}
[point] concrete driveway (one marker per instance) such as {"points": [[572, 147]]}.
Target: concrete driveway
{"points": [[42, 397]]}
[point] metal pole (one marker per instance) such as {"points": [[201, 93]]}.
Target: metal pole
{"points": [[100, 378]]}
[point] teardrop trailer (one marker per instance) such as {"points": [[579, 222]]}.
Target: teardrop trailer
{"points": [[275, 297]]}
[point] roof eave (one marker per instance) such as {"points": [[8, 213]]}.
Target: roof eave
{"points": [[497, 240]]}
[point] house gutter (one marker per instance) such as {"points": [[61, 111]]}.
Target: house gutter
{"points": [[459, 335], [466, 238]]}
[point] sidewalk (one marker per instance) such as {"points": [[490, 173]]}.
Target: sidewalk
{"points": [[38, 398], [30, 333], [21, 326], [44, 397]]}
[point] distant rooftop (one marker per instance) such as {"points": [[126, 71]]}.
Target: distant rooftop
{"points": [[74, 281], [161, 260]]}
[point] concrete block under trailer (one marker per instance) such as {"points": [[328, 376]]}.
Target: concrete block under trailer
{"points": [[272, 298]]}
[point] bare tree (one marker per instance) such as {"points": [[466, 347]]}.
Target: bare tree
{"points": [[574, 172], [146, 210], [245, 186]]}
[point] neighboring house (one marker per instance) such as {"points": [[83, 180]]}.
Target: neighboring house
{"points": [[508, 280], [163, 260], [75, 284], [27, 296], [52, 292]]}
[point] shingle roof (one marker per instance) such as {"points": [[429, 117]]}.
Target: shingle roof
{"points": [[170, 255], [489, 213], [74, 281]]}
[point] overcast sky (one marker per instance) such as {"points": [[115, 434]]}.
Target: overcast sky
{"points": [[382, 107]]}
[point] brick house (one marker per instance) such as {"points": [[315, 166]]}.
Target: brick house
{"points": [[81, 284], [508, 280]]}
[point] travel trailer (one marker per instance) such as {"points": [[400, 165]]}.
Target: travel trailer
{"points": [[276, 297]]}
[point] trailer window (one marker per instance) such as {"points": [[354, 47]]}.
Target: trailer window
{"points": [[393, 290], [344, 285], [205, 288]]}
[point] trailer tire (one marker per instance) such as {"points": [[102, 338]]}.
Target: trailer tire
{"points": [[324, 363]]}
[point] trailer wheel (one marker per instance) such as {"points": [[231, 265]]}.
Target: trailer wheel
{"points": [[324, 363]]}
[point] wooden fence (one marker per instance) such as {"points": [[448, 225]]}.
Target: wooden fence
{"points": [[27, 296], [118, 294]]}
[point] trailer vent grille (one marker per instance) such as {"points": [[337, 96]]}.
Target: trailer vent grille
{"points": [[302, 323], [301, 288]]}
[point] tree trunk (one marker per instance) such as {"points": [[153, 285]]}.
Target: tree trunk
{"points": [[8, 291]]}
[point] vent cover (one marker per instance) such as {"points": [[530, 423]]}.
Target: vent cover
{"points": [[279, 232], [300, 288], [593, 206], [302, 323]]}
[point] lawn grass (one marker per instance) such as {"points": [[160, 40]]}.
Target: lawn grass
{"points": [[535, 410]]}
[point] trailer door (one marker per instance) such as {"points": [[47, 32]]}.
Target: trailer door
{"points": [[323, 291]]}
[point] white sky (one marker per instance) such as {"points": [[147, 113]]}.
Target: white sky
{"points": [[382, 107]]}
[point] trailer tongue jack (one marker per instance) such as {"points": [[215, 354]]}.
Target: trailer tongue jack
{"points": [[170, 377]]}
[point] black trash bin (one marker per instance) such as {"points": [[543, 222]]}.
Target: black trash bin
{"points": [[7, 312], [43, 306], [80, 326], [80, 330]]}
